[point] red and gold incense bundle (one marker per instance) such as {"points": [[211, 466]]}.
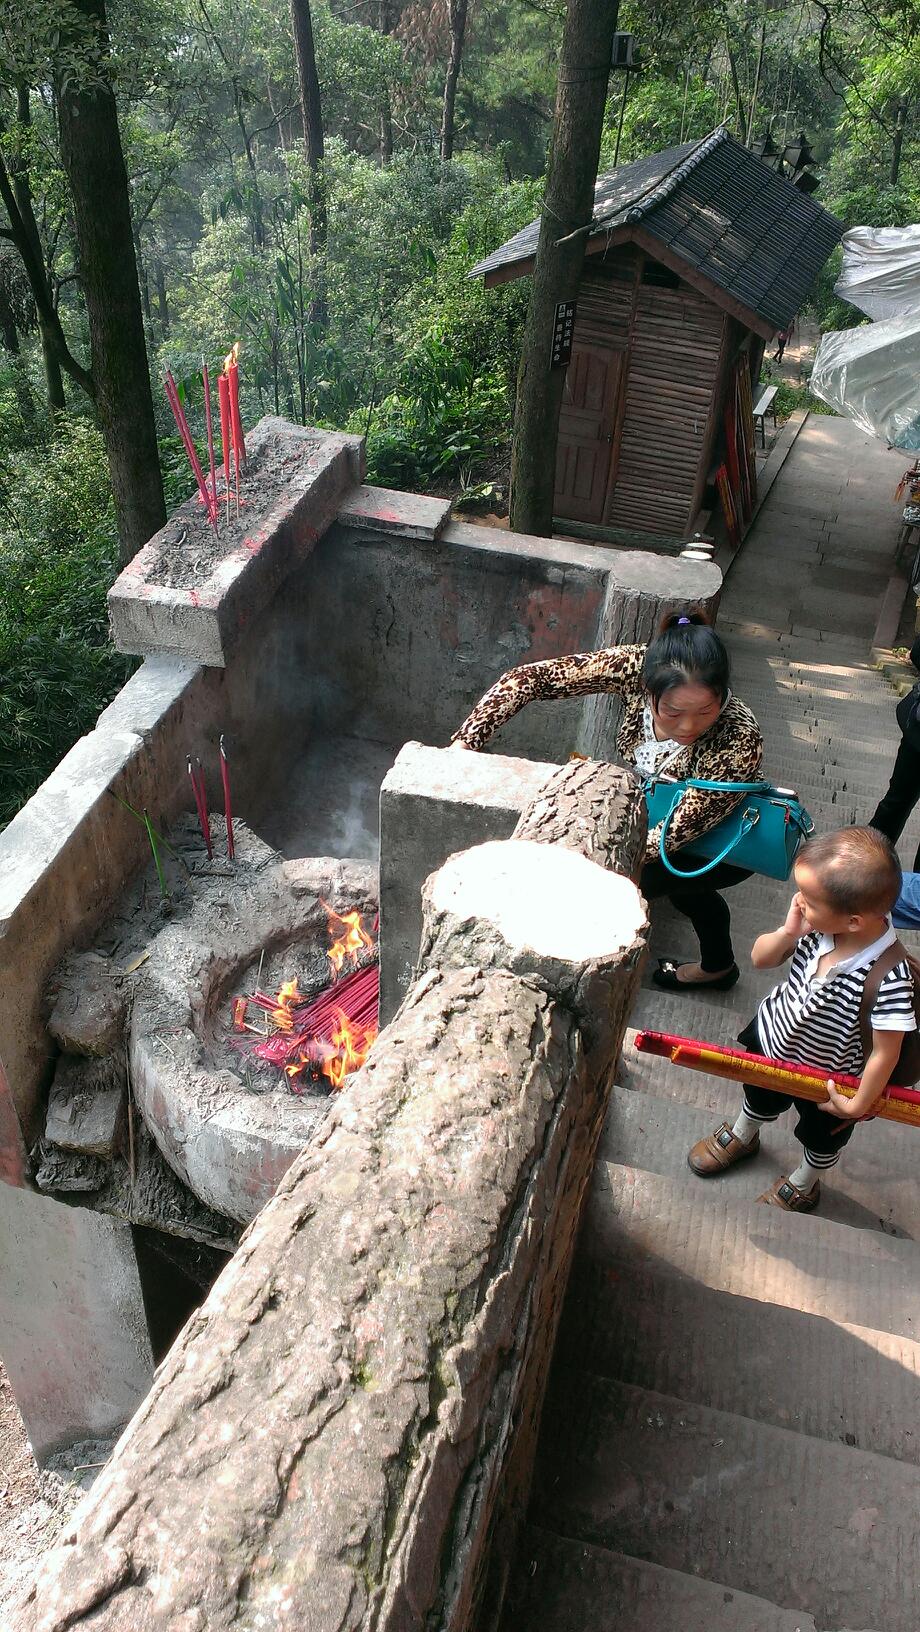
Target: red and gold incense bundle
{"points": [[802, 1081]]}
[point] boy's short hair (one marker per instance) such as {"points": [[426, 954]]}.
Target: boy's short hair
{"points": [[857, 867]]}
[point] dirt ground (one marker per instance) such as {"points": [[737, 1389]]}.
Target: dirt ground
{"points": [[34, 1505]]}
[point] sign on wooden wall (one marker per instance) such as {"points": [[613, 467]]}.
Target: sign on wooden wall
{"points": [[563, 325]]}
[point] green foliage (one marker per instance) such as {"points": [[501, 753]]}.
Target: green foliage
{"points": [[790, 397], [444, 425], [413, 354], [58, 551]]}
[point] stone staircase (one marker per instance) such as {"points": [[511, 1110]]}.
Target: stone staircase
{"points": [[731, 1438]]}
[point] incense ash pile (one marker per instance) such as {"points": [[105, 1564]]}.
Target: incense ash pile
{"points": [[324, 1040], [189, 548]]}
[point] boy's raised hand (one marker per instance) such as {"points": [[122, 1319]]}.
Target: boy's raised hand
{"points": [[795, 924]]}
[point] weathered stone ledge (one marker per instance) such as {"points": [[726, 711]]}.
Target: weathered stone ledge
{"points": [[203, 619], [342, 1437]]}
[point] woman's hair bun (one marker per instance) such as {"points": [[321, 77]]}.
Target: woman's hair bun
{"points": [[686, 648], [677, 620]]}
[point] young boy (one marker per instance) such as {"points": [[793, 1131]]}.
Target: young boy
{"points": [[837, 926]]}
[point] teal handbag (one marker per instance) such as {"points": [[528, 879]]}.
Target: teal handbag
{"points": [[763, 833]]}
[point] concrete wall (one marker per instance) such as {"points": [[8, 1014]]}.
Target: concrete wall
{"points": [[378, 636], [75, 1344]]}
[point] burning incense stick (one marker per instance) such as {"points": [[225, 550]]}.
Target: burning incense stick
{"points": [[205, 819], [156, 855], [802, 1081], [228, 807], [232, 375], [205, 380], [223, 397], [200, 806], [172, 396]]}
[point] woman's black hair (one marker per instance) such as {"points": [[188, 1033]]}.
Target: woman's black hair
{"points": [[686, 651]]}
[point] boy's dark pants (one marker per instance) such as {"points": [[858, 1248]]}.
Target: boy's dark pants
{"points": [[815, 1130]]}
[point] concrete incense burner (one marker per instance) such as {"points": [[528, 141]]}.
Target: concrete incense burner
{"points": [[227, 1123]]}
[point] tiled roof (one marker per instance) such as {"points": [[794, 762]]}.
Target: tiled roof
{"points": [[722, 212]]}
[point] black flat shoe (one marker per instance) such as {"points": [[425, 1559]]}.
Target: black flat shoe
{"points": [[665, 976]]}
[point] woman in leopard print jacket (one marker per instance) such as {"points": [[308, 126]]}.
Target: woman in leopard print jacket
{"points": [[679, 717]]}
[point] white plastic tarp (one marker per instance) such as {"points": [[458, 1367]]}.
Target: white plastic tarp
{"points": [[881, 271], [872, 374]]}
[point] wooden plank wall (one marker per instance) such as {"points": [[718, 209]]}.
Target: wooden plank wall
{"points": [[605, 302], [672, 371]]}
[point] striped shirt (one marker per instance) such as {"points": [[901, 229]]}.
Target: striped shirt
{"points": [[812, 1019]]}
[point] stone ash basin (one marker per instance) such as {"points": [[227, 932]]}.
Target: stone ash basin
{"points": [[228, 1125]]}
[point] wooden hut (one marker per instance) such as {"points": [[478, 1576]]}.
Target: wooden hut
{"points": [[697, 256]]}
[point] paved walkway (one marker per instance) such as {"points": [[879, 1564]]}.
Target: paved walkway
{"points": [[730, 1441], [798, 613]]}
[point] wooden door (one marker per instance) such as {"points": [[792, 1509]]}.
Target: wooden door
{"points": [[586, 427]]}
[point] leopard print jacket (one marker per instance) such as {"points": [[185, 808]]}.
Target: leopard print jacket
{"points": [[730, 751]]}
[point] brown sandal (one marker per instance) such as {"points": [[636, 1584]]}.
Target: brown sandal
{"points": [[790, 1198], [720, 1150]]}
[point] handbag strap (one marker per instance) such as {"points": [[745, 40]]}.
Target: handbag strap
{"points": [[715, 787], [748, 823]]}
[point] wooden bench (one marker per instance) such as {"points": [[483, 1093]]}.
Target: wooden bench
{"points": [[765, 404]]}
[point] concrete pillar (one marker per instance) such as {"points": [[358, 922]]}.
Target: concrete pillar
{"points": [[73, 1331], [434, 802]]}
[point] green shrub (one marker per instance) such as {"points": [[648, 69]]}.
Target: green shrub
{"points": [[445, 423], [789, 397], [58, 555]]}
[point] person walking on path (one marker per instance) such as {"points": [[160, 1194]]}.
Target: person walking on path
{"points": [[892, 812], [837, 931], [679, 719]]}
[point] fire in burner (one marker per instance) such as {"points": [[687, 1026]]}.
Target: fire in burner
{"points": [[350, 943], [330, 1037]]}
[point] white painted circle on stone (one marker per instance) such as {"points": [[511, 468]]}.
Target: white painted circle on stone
{"points": [[542, 896]]}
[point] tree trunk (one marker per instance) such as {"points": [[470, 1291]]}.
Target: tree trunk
{"points": [[92, 156], [159, 283], [54, 379], [384, 25], [736, 87], [581, 95], [16, 194], [143, 280], [458, 11], [342, 1437], [756, 91], [897, 142], [9, 334], [312, 109]]}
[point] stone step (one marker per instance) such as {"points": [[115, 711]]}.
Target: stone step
{"points": [[821, 1528], [567, 1586], [632, 1316], [801, 1261], [873, 1187]]}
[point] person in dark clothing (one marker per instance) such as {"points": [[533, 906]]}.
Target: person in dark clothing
{"points": [[894, 808]]}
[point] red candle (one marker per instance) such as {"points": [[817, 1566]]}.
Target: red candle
{"points": [[223, 395], [239, 441], [172, 395], [205, 380]]}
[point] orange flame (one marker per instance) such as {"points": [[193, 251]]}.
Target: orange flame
{"points": [[351, 1045], [351, 939], [231, 357], [344, 1053], [287, 1000], [240, 1005]]}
